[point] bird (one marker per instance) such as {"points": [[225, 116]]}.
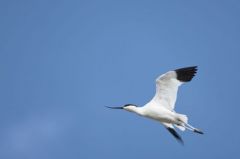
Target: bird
{"points": [[161, 107]]}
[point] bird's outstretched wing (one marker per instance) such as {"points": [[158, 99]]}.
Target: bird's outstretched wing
{"points": [[168, 83], [174, 133]]}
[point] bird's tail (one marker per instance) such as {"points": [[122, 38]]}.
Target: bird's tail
{"points": [[183, 118], [184, 125]]}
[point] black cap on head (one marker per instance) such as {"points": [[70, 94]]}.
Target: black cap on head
{"points": [[129, 105]]}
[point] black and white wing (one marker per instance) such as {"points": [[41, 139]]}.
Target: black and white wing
{"points": [[168, 83]]}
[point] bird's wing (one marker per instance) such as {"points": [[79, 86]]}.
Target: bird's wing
{"points": [[171, 129], [168, 83]]}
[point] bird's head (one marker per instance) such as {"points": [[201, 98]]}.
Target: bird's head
{"points": [[128, 107]]}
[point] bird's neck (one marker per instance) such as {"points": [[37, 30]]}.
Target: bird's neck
{"points": [[137, 110]]}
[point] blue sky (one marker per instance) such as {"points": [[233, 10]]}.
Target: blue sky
{"points": [[62, 62]]}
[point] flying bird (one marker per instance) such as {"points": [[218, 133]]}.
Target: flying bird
{"points": [[161, 107]]}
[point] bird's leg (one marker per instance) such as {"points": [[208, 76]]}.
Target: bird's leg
{"points": [[189, 127]]}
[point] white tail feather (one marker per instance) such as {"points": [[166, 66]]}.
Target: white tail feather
{"points": [[183, 118], [182, 128]]}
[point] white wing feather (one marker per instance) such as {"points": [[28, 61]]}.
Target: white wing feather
{"points": [[166, 90], [168, 83]]}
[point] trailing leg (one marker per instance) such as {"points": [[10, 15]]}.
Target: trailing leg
{"points": [[188, 126]]}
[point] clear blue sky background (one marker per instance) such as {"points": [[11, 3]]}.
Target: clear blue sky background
{"points": [[61, 62]]}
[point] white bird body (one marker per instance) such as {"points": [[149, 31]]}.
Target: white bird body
{"points": [[153, 111], [161, 107]]}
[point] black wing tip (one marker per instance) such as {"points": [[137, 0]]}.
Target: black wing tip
{"points": [[186, 74], [176, 135]]}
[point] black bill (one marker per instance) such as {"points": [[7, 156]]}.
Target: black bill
{"points": [[115, 107]]}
